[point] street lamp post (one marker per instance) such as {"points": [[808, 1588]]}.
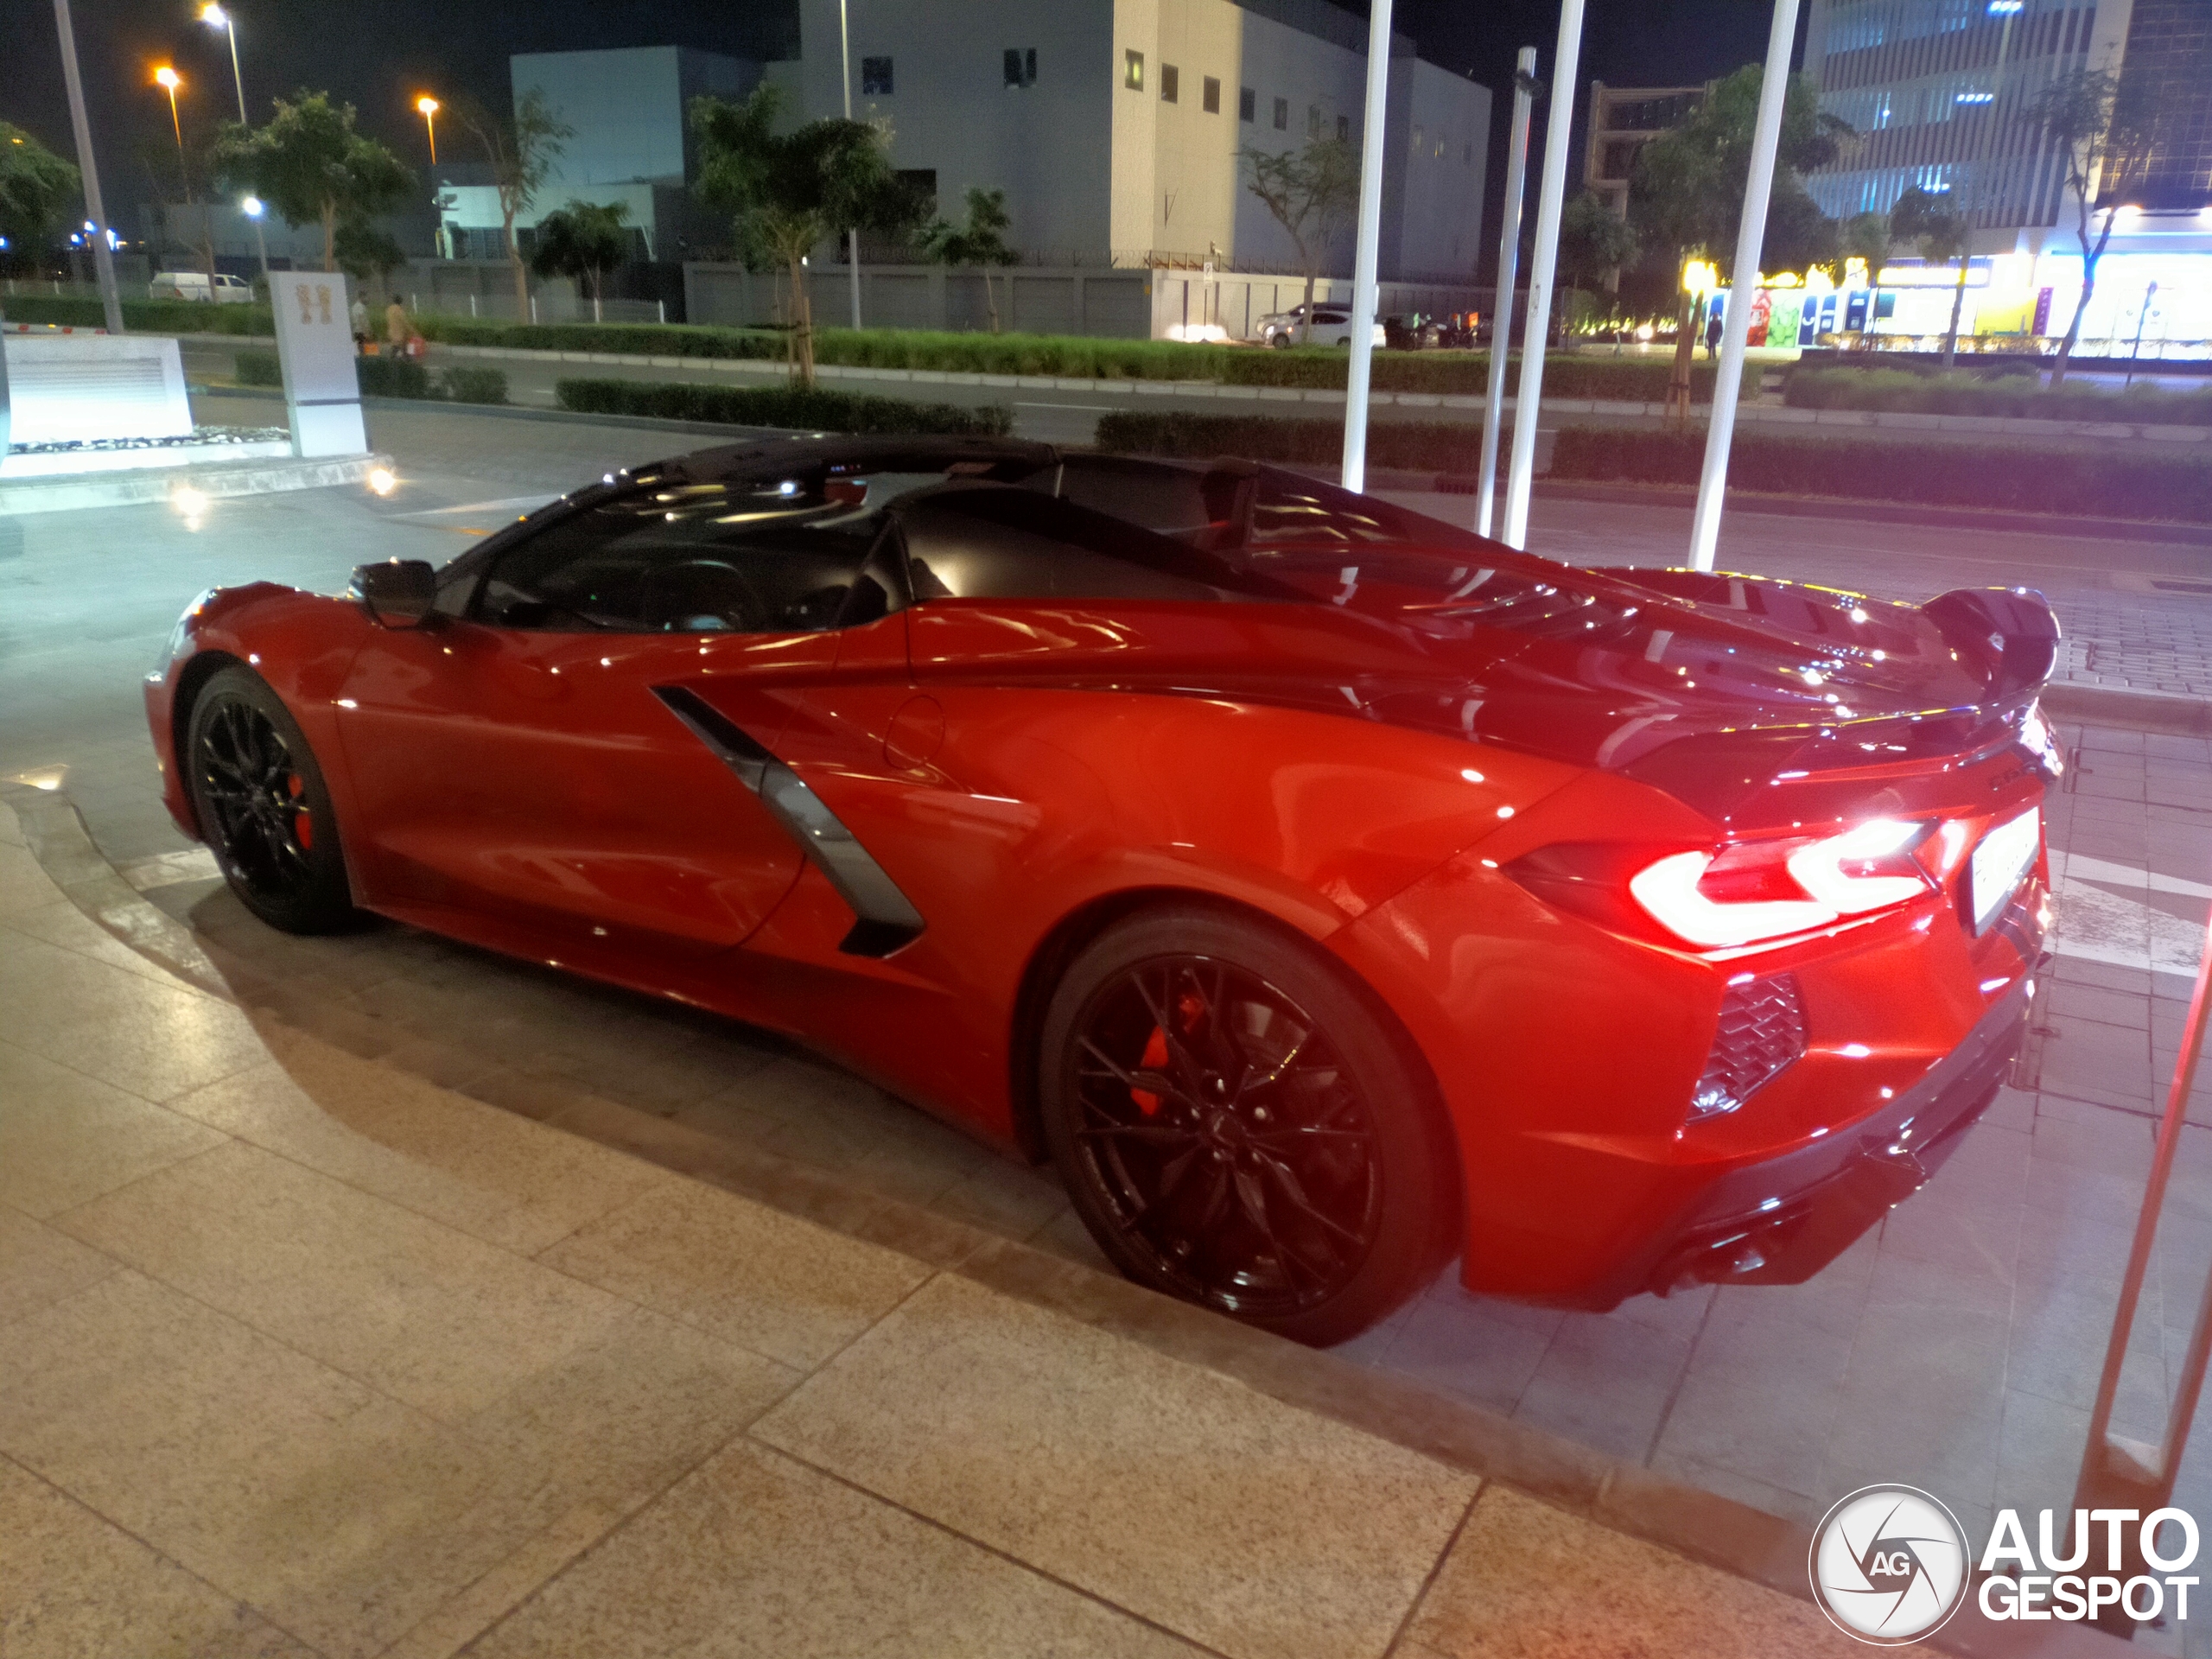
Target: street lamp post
{"points": [[103, 253], [852, 233], [1736, 320], [215, 17], [428, 108], [1509, 265], [1366, 250]]}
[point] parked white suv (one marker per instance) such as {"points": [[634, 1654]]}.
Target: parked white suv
{"points": [[193, 285], [1331, 326]]}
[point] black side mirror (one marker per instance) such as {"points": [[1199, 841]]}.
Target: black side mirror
{"points": [[397, 594]]}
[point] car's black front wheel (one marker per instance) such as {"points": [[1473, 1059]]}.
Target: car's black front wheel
{"points": [[263, 806], [1237, 1127]]}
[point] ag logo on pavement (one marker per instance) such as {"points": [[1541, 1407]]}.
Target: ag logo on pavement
{"points": [[1889, 1565]]}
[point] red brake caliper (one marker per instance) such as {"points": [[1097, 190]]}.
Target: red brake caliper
{"points": [[302, 821], [1192, 1007]]}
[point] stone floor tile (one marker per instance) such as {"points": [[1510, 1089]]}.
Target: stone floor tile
{"points": [[59, 922], [489, 1173], [755, 1554], [1605, 1382], [1952, 1365], [66, 1137], [155, 1041], [1527, 1582], [39, 1265], [73, 1585], [23, 885], [1759, 1396], [442, 1321], [1464, 1346], [1004, 1197], [223, 1449], [739, 1270], [1249, 1525], [2096, 1002]]}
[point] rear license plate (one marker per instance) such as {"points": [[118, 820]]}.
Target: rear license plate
{"points": [[2000, 863]]}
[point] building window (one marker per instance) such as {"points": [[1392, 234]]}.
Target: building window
{"points": [[1344, 128], [1282, 115], [1171, 83], [876, 76], [1312, 120], [1248, 104], [1133, 71], [1021, 67], [1211, 96]]}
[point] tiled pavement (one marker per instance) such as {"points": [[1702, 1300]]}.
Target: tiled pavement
{"points": [[1958, 1346], [300, 1355]]}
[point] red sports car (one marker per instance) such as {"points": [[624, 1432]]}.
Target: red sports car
{"points": [[1324, 890]]}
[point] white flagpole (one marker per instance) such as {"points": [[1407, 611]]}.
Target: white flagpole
{"points": [[1736, 323], [1509, 265], [1559, 127], [1371, 234]]}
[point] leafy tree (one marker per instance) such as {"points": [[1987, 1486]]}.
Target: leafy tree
{"points": [[364, 250], [1866, 236], [1312, 193], [2103, 128], [36, 189], [585, 239], [980, 242], [521, 149], [1686, 195], [1940, 232], [790, 192], [310, 165], [1594, 243], [189, 167]]}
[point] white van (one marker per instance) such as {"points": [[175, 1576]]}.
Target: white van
{"points": [[193, 285]]}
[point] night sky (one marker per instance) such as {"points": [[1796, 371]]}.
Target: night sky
{"points": [[378, 55]]}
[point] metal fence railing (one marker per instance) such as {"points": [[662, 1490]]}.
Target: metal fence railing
{"points": [[549, 306]]}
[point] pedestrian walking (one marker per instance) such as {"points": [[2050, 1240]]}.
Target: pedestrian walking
{"points": [[1712, 337], [397, 329], [360, 317]]}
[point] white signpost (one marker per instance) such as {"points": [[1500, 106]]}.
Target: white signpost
{"points": [[314, 347]]}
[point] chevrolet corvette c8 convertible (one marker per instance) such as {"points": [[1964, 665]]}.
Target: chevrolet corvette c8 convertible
{"points": [[1325, 892]]}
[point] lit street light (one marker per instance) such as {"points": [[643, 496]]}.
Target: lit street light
{"points": [[427, 107], [168, 80], [215, 17], [253, 208]]}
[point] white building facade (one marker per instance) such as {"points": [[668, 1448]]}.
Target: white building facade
{"points": [[1117, 127]]}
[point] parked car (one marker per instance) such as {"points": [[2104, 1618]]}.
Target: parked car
{"points": [[1331, 326], [1325, 892], [194, 285]]}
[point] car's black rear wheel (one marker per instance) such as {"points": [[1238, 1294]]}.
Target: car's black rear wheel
{"points": [[263, 805], [1237, 1127]]}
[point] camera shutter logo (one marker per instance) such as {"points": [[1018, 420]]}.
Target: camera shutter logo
{"points": [[1889, 1565]]}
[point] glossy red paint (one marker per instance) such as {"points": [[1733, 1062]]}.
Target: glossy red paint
{"points": [[1022, 768]]}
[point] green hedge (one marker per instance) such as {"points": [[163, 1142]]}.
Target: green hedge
{"points": [[795, 407], [2020, 396], [1618, 380], [2072, 483], [1408, 446], [146, 316], [255, 368]]}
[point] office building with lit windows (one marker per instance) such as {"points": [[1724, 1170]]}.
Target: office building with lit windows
{"points": [[1115, 126], [1941, 94]]}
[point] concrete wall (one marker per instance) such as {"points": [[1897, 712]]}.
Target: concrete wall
{"points": [[1039, 300], [950, 111], [1092, 165]]}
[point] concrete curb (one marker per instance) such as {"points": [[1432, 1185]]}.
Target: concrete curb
{"points": [[1763, 414], [218, 480], [2142, 711], [518, 412], [1625, 1498]]}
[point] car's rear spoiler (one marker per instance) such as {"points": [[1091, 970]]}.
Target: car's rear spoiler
{"points": [[2008, 635]]}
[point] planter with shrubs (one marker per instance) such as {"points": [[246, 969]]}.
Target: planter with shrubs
{"points": [[791, 408], [2013, 477]]}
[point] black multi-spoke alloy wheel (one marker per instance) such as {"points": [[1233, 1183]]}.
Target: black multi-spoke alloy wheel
{"points": [[1239, 1128], [263, 806]]}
